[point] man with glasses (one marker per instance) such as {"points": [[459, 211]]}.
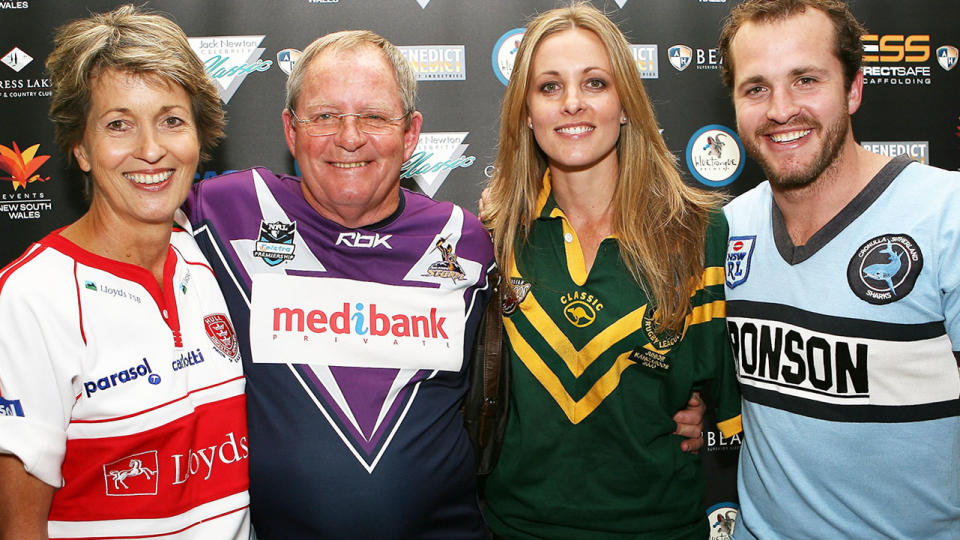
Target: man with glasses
{"points": [[361, 299]]}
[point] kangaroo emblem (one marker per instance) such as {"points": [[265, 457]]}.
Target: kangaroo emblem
{"points": [[885, 271]]}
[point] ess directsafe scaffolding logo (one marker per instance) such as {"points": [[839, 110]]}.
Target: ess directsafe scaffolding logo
{"points": [[229, 59]]}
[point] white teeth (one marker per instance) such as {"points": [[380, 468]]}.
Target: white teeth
{"points": [[148, 179], [575, 130], [789, 136], [350, 165]]}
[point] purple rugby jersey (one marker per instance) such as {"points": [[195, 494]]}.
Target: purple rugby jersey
{"points": [[337, 449]]}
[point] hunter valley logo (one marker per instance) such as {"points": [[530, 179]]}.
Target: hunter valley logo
{"points": [[436, 62], [435, 156], [505, 52], [275, 243], [448, 267], [229, 59], [715, 155], [885, 268]]}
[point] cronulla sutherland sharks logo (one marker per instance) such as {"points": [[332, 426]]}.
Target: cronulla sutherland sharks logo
{"points": [[885, 268]]}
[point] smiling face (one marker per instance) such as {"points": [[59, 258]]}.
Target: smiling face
{"points": [[572, 101], [351, 177], [140, 147], [793, 108]]}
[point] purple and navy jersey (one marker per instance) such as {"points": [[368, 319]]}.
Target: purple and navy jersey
{"points": [[355, 345]]}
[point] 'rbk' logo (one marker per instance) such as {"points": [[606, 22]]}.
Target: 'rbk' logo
{"points": [[360, 240], [229, 59]]}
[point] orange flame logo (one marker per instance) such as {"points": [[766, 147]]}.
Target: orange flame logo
{"points": [[21, 165]]}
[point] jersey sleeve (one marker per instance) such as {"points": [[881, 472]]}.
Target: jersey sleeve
{"points": [[36, 378], [947, 275], [724, 390]]}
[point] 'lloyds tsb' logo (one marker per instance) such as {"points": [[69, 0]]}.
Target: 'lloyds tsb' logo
{"points": [[885, 268]]}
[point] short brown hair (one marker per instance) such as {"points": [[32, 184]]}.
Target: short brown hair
{"points": [[132, 40], [846, 29]]}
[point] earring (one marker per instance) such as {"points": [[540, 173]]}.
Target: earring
{"points": [[530, 124], [623, 120]]}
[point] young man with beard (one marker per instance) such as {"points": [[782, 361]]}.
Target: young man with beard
{"points": [[842, 296]]}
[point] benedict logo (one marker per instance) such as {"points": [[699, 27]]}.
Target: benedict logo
{"points": [[275, 243], [580, 308], [505, 52], [229, 59], [715, 155], [136, 474], [918, 151], [436, 62], [16, 59], [646, 58], [900, 49], [287, 58], [435, 156], [121, 377], [947, 57], [222, 335], [885, 268]]}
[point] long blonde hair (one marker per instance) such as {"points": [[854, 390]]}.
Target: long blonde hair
{"points": [[660, 222]]}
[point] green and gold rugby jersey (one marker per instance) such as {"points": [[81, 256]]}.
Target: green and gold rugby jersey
{"points": [[589, 450]]}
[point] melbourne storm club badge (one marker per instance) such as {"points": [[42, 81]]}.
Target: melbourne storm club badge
{"points": [[885, 268], [275, 243], [447, 266]]}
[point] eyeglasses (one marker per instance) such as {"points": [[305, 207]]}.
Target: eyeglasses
{"points": [[328, 123]]}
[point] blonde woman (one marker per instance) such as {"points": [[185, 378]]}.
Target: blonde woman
{"points": [[615, 310]]}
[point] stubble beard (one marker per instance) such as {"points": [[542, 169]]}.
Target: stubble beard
{"points": [[792, 178]]}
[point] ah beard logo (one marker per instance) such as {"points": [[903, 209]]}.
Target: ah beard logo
{"points": [[229, 59], [435, 156]]}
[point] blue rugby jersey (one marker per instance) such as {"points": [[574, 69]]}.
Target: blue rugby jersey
{"points": [[847, 358], [358, 361]]}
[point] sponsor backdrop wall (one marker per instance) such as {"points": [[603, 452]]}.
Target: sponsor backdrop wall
{"points": [[462, 52]]}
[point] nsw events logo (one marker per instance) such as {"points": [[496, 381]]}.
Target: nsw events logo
{"points": [[21, 165], [276, 242], [505, 52], [229, 59], [435, 156]]}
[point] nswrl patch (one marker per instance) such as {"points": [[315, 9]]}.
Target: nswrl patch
{"points": [[739, 254]]}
